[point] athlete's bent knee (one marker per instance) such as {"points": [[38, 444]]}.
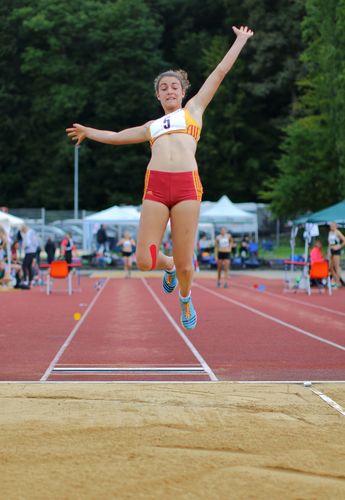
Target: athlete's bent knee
{"points": [[147, 261], [143, 263]]}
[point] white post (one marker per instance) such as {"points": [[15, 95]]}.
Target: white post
{"points": [[76, 181]]}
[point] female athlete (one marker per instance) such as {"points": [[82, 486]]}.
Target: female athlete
{"points": [[172, 185], [223, 247], [336, 241], [127, 245]]}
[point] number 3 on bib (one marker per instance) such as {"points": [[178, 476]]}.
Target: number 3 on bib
{"points": [[166, 123]]}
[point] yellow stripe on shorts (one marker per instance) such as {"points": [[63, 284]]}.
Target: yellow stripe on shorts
{"points": [[146, 182], [197, 184]]}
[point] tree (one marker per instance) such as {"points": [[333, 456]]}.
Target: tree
{"points": [[312, 164], [90, 62], [95, 62]]}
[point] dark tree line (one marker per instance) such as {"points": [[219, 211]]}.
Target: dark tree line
{"points": [[311, 167], [95, 62]]}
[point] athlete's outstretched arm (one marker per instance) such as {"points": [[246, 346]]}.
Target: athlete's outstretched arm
{"points": [[201, 100], [132, 135]]}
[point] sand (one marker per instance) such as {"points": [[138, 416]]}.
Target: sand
{"points": [[170, 441]]}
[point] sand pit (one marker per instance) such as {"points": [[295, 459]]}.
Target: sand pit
{"points": [[170, 441]]}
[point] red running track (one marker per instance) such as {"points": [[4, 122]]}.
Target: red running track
{"points": [[130, 331]]}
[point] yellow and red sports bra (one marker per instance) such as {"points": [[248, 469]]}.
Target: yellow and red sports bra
{"points": [[177, 122]]}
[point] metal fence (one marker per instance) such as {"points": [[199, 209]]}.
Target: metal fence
{"points": [[41, 215]]}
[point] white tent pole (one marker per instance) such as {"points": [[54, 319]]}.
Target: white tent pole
{"points": [[293, 244], [306, 246]]}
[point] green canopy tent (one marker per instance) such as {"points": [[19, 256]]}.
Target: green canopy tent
{"points": [[334, 213]]}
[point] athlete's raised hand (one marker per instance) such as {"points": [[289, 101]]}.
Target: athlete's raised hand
{"points": [[77, 132], [243, 32]]}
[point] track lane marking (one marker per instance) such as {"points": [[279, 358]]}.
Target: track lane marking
{"points": [[329, 401], [70, 337], [271, 318], [289, 299], [252, 382], [189, 344]]}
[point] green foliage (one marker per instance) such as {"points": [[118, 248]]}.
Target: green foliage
{"points": [[88, 62], [312, 164], [304, 182], [94, 62]]}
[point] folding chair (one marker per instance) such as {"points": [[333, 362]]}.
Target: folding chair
{"points": [[59, 270], [320, 271]]}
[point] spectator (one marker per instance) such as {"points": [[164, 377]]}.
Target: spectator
{"points": [[244, 247], [102, 238], [316, 256], [30, 244], [19, 238], [16, 267], [316, 252], [38, 252], [50, 250], [15, 251], [3, 243], [66, 248], [204, 243]]}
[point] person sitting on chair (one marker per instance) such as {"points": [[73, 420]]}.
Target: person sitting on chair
{"points": [[316, 256], [316, 252]]}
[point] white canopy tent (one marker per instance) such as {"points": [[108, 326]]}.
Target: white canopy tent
{"points": [[236, 220], [10, 220], [7, 221], [116, 216]]}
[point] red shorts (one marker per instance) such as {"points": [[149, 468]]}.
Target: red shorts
{"points": [[171, 188]]}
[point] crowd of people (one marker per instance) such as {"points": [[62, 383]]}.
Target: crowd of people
{"points": [[225, 248], [20, 256], [26, 252]]}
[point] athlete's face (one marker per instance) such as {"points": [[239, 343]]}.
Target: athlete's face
{"points": [[170, 93]]}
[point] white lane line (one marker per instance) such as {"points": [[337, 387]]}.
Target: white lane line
{"points": [[150, 369], [72, 334], [181, 333], [329, 401], [272, 318], [252, 382], [289, 299]]}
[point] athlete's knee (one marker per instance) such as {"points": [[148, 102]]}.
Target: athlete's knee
{"points": [[143, 262], [184, 269], [147, 259]]}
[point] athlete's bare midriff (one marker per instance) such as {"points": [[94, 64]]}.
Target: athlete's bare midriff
{"points": [[173, 153]]}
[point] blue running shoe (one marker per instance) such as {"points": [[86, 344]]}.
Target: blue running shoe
{"points": [[169, 281], [188, 313]]}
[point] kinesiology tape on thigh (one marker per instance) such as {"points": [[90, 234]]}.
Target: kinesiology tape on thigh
{"points": [[153, 251]]}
